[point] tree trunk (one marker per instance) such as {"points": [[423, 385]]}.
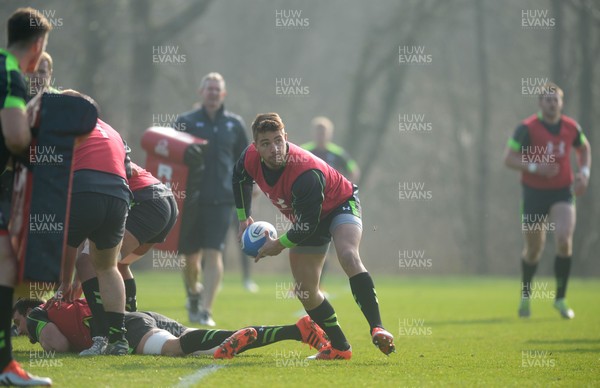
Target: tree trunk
{"points": [[482, 146], [586, 240], [556, 47], [146, 37]]}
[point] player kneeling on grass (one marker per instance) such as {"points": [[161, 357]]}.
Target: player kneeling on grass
{"points": [[63, 327], [321, 204]]}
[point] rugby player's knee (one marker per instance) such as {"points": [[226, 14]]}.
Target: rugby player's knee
{"points": [[350, 260], [532, 253], [309, 299], [564, 244]]}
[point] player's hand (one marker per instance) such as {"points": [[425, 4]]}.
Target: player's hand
{"points": [[194, 155], [33, 109], [548, 170], [76, 288], [581, 184], [243, 225], [63, 293], [272, 247]]}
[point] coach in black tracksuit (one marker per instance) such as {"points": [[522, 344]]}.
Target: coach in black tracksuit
{"points": [[209, 201]]}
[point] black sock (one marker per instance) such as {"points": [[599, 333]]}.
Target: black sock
{"points": [[562, 269], [194, 301], [270, 334], [116, 326], [6, 297], [98, 324], [527, 270], [130, 295], [200, 339], [325, 317], [365, 296]]}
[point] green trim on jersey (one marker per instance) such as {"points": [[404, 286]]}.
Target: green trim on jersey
{"points": [[285, 241], [309, 146], [352, 166], [582, 138], [241, 214], [514, 145], [335, 149], [39, 326], [339, 151], [11, 64], [14, 102], [355, 211]]}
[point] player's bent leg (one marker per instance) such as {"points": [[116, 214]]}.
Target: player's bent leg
{"points": [[130, 286], [84, 265], [130, 244], [306, 269], [346, 237], [112, 292], [562, 214]]}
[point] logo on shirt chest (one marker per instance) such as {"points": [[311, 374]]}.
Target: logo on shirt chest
{"points": [[279, 203], [557, 149]]}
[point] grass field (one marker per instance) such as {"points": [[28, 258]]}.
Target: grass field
{"points": [[449, 332]]}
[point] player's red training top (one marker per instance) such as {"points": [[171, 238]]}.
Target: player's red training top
{"points": [[140, 178], [337, 188], [70, 318], [546, 147], [102, 151]]}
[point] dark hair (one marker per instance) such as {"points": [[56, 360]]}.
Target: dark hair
{"points": [[24, 304], [26, 25], [266, 122]]}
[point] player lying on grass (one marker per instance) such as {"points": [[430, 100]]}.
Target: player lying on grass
{"points": [[64, 327]]}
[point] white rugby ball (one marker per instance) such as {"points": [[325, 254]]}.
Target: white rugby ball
{"points": [[254, 237]]}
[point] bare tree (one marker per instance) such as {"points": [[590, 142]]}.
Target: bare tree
{"points": [[483, 159], [146, 35], [364, 137]]}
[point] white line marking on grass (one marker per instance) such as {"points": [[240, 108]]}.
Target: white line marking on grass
{"points": [[192, 379]]}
